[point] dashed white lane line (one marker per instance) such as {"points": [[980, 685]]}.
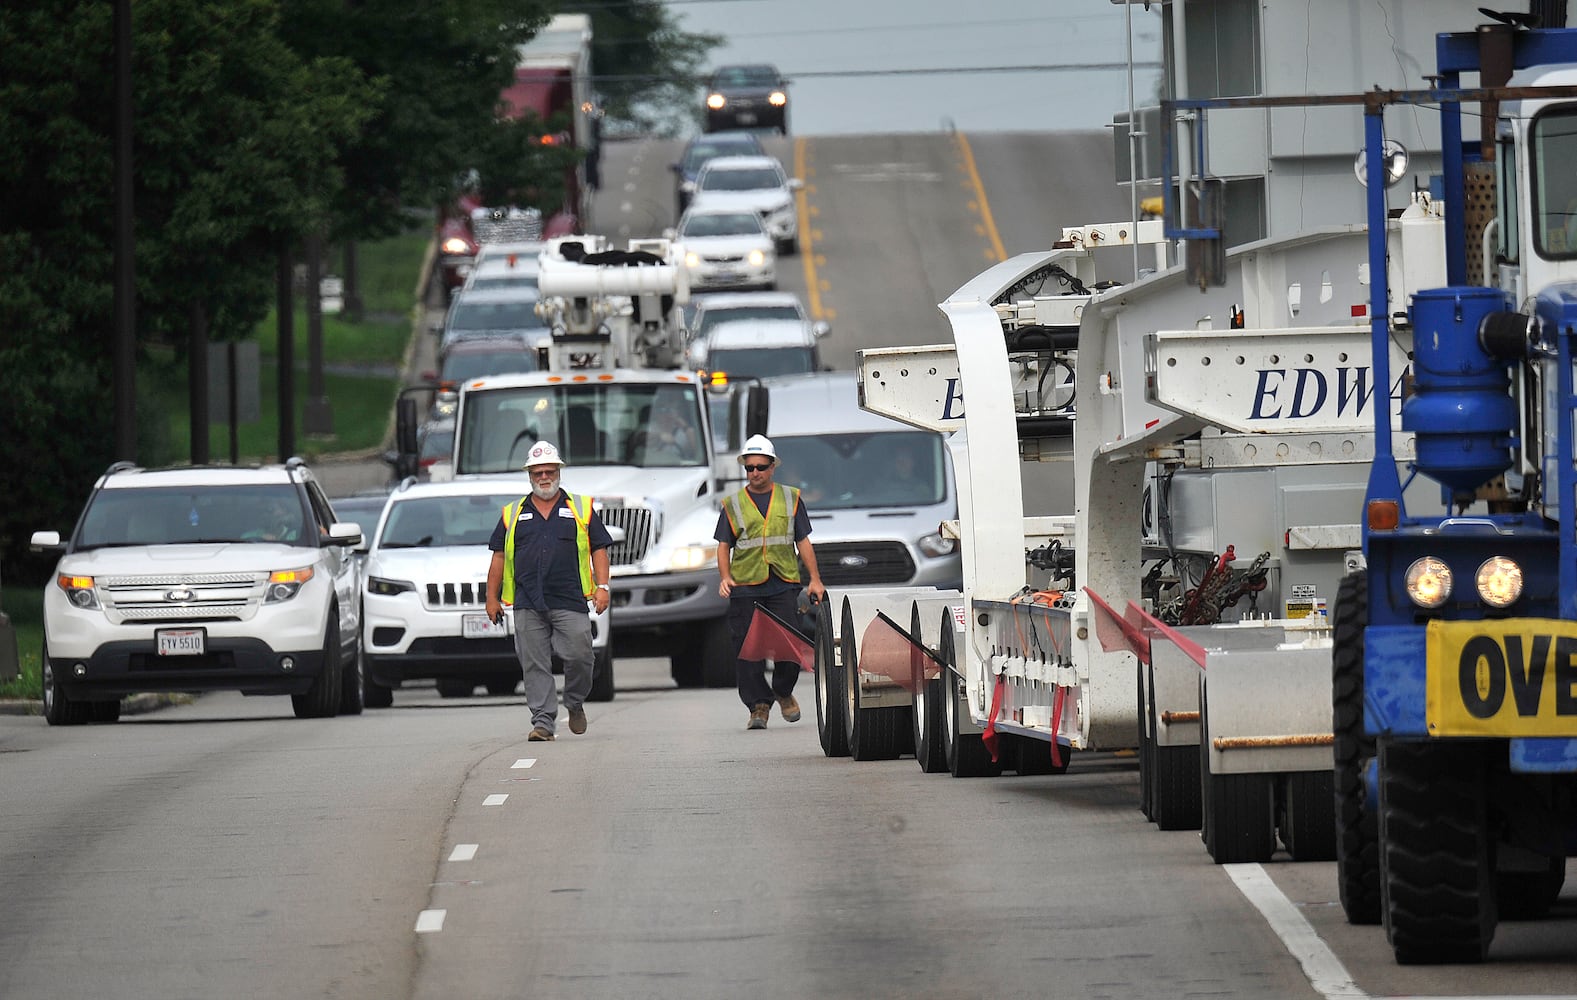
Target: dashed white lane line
{"points": [[430, 921], [1325, 971], [464, 852], [524, 762], [626, 207], [496, 799]]}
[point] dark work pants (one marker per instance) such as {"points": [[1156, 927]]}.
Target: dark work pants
{"points": [[752, 674]]}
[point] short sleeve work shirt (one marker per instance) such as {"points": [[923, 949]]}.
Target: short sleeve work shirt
{"points": [[547, 562]]}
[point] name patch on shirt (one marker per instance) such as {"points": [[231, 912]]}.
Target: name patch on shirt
{"points": [[566, 512]]}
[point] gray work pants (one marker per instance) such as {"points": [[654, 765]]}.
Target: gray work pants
{"points": [[542, 635]]}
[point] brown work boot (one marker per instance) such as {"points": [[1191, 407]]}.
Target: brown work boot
{"points": [[540, 735], [758, 716], [789, 707], [577, 720]]}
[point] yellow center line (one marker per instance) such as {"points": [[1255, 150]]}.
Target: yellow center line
{"points": [[807, 244], [997, 251]]}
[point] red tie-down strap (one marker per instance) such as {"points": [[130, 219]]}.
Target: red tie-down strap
{"points": [[989, 735], [1056, 725]]}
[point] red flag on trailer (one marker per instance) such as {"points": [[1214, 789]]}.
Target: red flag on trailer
{"points": [[772, 638], [889, 650]]}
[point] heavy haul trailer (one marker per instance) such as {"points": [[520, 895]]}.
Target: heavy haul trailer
{"points": [[1455, 690], [1245, 410]]}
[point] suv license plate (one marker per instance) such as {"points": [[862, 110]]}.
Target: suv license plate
{"points": [[478, 627], [747, 117], [181, 641]]}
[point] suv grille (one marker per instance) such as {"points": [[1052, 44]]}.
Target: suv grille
{"points": [[639, 526], [453, 595], [174, 597], [849, 563]]}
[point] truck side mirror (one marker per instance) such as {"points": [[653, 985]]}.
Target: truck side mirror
{"points": [[405, 445], [757, 407]]}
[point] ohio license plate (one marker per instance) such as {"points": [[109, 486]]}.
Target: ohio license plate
{"points": [[181, 641], [478, 627], [1512, 677], [747, 117]]}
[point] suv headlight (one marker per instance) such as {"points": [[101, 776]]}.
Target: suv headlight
{"points": [[286, 583], [757, 258], [1499, 582], [693, 557], [384, 587], [79, 591], [1428, 582], [936, 545]]}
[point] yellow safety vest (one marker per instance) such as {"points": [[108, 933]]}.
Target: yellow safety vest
{"points": [[581, 508], [764, 543]]}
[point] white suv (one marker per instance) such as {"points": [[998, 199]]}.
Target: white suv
{"points": [[202, 579], [425, 586]]}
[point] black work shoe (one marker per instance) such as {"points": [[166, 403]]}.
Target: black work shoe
{"points": [[789, 707], [758, 716], [577, 720], [540, 735]]}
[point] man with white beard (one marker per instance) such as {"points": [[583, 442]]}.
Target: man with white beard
{"points": [[556, 550]]}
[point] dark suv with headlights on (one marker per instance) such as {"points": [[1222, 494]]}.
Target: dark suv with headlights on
{"points": [[747, 97]]}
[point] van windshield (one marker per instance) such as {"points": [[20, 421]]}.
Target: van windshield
{"points": [[871, 469]]}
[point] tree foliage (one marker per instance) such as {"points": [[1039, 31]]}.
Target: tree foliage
{"points": [[647, 69]]}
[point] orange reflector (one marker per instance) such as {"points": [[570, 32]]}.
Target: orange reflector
{"points": [[1384, 515], [74, 582]]}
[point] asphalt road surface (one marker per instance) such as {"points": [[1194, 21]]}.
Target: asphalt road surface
{"points": [[226, 849]]}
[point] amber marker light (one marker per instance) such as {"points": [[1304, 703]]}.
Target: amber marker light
{"points": [[1384, 515]]}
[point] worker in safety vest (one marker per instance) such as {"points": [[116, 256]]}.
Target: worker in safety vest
{"points": [[550, 559], [763, 534]]}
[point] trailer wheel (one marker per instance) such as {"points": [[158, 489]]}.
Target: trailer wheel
{"points": [[1436, 879], [1175, 788], [1032, 756], [1238, 808], [1529, 895], [967, 756], [829, 688], [1357, 827], [1146, 745], [849, 649], [930, 747], [1308, 820]]}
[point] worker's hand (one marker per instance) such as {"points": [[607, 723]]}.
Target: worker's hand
{"points": [[599, 600], [726, 586], [816, 592], [495, 611]]}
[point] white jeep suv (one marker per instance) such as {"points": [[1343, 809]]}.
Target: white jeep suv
{"points": [[425, 587], [202, 579]]}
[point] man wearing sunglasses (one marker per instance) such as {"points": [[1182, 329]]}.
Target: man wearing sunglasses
{"points": [[763, 535]]}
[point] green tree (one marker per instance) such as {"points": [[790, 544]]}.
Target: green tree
{"points": [[647, 69]]}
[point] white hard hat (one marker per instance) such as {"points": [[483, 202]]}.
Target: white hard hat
{"points": [[758, 444], [543, 453]]}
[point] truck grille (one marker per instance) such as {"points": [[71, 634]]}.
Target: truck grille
{"points": [[467, 593], [844, 564], [639, 526]]}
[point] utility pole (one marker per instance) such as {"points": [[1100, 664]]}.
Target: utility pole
{"points": [[125, 302]]}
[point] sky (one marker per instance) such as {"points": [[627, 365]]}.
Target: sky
{"points": [[824, 46]]}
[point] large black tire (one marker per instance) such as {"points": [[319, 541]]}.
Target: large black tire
{"points": [[104, 711], [706, 658], [1238, 810], [1529, 895], [930, 747], [322, 699], [1175, 788], [59, 708], [1437, 885], [1357, 826], [352, 690], [1027, 755], [501, 685], [1146, 743], [1308, 816], [849, 652], [455, 687], [874, 733], [829, 688], [967, 756], [601, 675]]}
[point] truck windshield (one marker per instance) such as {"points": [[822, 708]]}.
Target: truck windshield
{"points": [[875, 469], [1555, 184], [604, 423]]}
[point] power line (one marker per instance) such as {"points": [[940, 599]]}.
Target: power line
{"points": [[916, 71]]}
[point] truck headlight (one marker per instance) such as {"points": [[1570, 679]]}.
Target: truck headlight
{"points": [[692, 557], [284, 584], [1429, 582], [935, 545], [387, 588], [1499, 582]]}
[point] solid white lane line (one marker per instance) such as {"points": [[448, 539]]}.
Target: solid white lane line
{"points": [[430, 921], [463, 852], [1325, 971], [524, 762], [496, 799]]}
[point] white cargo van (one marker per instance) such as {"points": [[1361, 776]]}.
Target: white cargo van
{"points": [[877, 490]]}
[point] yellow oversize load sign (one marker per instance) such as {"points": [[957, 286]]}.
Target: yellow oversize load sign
{"points": [[1513, 677]]}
